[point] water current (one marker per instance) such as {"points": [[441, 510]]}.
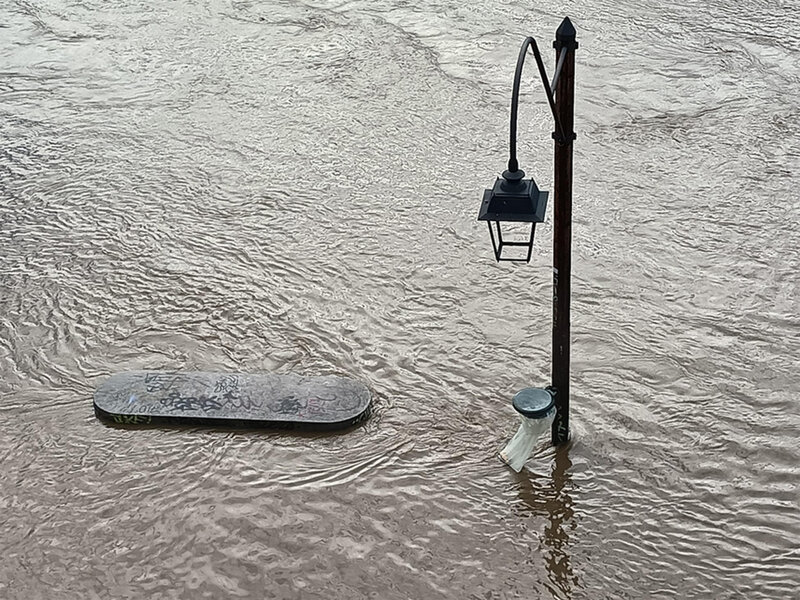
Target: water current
{"points": [[292, 186]]}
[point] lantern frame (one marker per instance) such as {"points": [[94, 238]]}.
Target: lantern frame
{"points": [[512, 199]]}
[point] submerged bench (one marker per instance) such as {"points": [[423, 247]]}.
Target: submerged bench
{"points": [[231, 400]]}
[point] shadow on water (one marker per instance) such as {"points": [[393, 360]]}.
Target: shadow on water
{"points": [[549, 496]]}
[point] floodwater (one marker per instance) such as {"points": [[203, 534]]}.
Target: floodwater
{"points": [[292, 187]]}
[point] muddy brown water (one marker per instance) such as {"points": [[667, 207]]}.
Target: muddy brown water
{"points": [[292, 187]]}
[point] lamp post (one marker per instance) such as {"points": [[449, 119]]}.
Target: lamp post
{"points": [[565, 46], [513, 198]]}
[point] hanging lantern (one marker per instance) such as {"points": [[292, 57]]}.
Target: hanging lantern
{"points": [[512, 199]]}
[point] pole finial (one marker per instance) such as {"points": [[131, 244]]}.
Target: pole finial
{"points": [[565, 35]]}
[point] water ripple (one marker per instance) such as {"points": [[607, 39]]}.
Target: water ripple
{"points": [[291, 188]]}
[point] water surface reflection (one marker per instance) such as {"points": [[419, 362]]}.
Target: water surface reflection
{"points": [[549, 496]]}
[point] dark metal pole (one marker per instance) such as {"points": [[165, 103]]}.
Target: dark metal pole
{"points": [[562, 234]]}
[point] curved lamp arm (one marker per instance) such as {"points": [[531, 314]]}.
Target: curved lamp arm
{"points": [[513, 165]]}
